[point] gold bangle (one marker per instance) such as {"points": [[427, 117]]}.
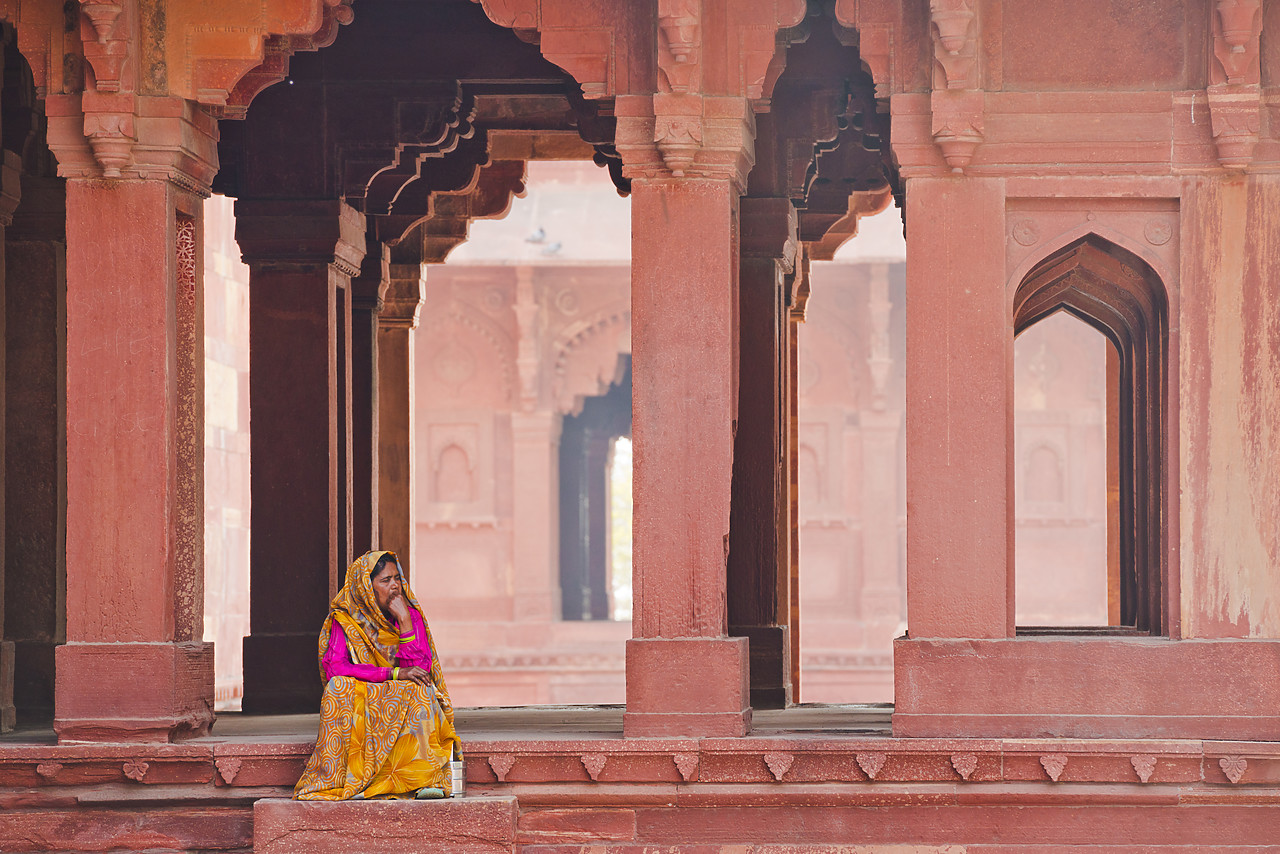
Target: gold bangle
{"points": [[395, 673], [405, 639]]}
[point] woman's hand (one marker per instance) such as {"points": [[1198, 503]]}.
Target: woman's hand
{"points": [[416, 674], [399, 609]]}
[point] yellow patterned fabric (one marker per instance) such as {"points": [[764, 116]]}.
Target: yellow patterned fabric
{"points": [[377, 739]]}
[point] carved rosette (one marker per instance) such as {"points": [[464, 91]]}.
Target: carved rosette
{"points": [[1235, 93]]}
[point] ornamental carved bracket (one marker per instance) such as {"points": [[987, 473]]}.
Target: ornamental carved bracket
{"points": [[210, 82], [586, 50], [109, 122], [876, 26], [955, 43], [424, 129], [679, 46], [1237, 31], [957, 100], [696, 136], [106, 47], [1235, 93]]}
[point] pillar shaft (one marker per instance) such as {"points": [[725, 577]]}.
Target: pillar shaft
{"points": [[759, 539], [366, 303], [959, 416], [301, 256], [684, 676], [35, 442], [135, 473], [396, 469]]}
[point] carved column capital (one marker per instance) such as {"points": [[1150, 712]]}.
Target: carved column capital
{"points": [[686, 135], [402, 301], [769, 229], [124, 135], [300, 233]]}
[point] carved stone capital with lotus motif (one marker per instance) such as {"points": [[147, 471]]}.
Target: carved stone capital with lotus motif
{"points": [[686, 135]]}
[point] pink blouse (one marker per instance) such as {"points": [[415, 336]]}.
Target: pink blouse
{"points": [[412, 653]]}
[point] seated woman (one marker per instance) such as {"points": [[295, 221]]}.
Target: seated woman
{"points": [[386, 723]]}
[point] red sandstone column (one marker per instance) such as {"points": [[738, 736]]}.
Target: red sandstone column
{"points": [[759, 549], [684, 675], [134, 666], [10, 192], [959, 413], [366, 302], [35, 441], [301, 256], [396, 481]]}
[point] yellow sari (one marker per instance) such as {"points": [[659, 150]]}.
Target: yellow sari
{"points": [[377, 739]]}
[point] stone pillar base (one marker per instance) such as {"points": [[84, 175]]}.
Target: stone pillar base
{"points": [[687, 687], [282, 673], [476, 825], [8, 715], [133, 691], [1077, 686]]}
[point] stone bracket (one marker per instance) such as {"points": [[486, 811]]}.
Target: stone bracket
{"points": [[1235, 93], [957, 101]]}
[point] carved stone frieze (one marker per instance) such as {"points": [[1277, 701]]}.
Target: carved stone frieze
{"points": [[1144, 766], [871, 763], [594, 763], [965, 764], [1233, 767], [687, 765], [502, 765], [779, 764], [1054, 764]]}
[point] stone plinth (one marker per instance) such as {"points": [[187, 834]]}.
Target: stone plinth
{"points": [[483, 825], [687, 687], [1035, 687]]}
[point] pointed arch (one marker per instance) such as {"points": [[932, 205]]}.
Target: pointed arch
{"points": [[1119, 294]]}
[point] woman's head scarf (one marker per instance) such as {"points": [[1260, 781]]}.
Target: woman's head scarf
{"points": [[371, 637]]}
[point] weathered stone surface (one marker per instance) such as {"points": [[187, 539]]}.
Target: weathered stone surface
{"points": [[472, 825]]}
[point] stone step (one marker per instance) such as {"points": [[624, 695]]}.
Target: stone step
{"points": [[467, 825]]}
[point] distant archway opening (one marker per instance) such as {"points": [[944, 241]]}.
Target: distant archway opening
{"points": [[1119, 296], [594, 583]]}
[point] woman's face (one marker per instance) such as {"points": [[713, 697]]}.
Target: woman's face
{"points": [[387, 584]]}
